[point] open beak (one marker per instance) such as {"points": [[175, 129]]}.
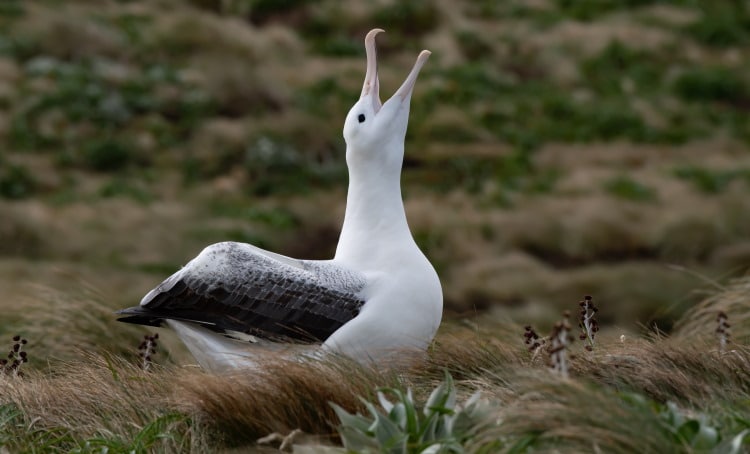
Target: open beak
{"points": [[404, 92], [371, 87]]}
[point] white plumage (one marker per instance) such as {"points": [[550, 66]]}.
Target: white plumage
{"points": [[379, 297]]}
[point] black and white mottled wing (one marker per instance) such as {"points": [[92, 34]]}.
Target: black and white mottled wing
{"points": [[238, 288]]}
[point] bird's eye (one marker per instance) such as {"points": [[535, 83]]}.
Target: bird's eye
{"points": [[361, 118]]}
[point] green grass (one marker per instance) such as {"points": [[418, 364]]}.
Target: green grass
{"points": [[587, 10], [16, 182], [713, 84], [722, 24], [617, 62], [629, 189], [711, 181]]}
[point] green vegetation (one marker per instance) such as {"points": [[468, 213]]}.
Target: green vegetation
{"points": [[16, 182], [587, 10], [441, 425], [711, 181], [93, 109], [607, 71], [722, 24], [629, 189], [712, 84], [194, 124]]}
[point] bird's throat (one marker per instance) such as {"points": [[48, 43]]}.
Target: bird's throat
{"points": [[374, 217]]}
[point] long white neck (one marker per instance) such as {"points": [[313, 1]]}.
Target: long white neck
{"points": [[375, 225]]}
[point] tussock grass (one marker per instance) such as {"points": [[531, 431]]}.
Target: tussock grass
{"points": [[470, 351], [577, 416], [61, 326], [283, 396], [669, 369], [733, 300], [604, 405], [94, 398]]}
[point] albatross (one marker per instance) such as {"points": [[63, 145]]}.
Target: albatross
{"points": [[379, 298]]}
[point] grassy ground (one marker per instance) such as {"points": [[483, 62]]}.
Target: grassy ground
{"points": [[678, 393], [555, 149]]}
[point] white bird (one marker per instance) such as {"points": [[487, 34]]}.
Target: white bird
{"points": [[378, 299]]}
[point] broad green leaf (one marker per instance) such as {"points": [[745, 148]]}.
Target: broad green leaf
{"points": [[443, 398], [349, 420], [706, 438], [398, 415], [384, 402], [429, 427], [523, 444], [688, 430], [412, 417], [737, 442], [386, 431], [356, 440]]}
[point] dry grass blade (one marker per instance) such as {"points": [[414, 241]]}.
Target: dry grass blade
{"points": [[700, 321], [280, 397], [466, 352], [575, 416], [61, 325], [670, 370], [96, 396]]}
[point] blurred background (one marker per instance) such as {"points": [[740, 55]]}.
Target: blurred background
{"points": [[556, 148]]}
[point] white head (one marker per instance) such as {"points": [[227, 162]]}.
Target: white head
{"points": [[373, 131]]}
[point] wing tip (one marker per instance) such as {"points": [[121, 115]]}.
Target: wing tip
{"points": [[136, 315]]}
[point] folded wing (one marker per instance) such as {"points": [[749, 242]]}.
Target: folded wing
{"points": [[234, 288]]}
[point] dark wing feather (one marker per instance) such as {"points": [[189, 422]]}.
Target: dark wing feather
{"points": [[236, 287]]}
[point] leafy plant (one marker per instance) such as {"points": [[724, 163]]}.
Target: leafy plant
{"points": [[87, 99], [415, 17], [472, 45], [711, 181], [163, 428], [723, 24], [401, 427], [694, 431], [123, 187], [16, 182], [275, 166], [108, 155], [12, 8], [718, 84], [627, 188], [605, 72], [587, 10]]}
